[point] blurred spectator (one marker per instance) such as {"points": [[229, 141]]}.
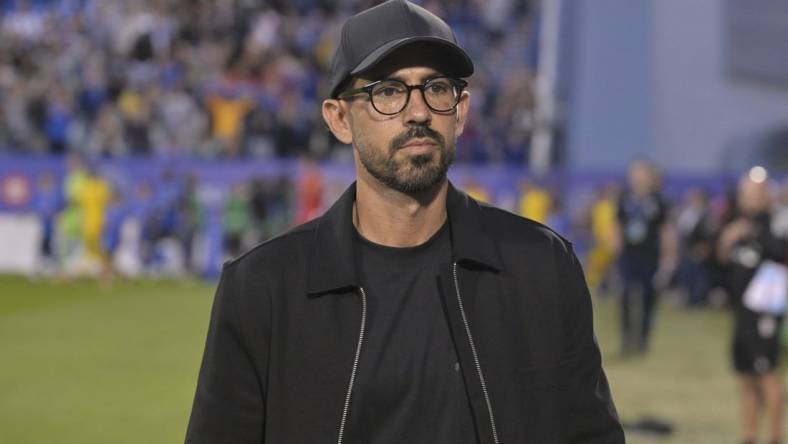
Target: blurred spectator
{"points": [[69, 223], [107, 138], [93, 196], [227, 79], [641, 213], [557, 218], [746, 243], [781, 211], [236, 219], [111, 235], [228, 112], [696, 230], [605, 243], [189, 221], [535, 202], [309, 203], [136, 110], [47, 204]]}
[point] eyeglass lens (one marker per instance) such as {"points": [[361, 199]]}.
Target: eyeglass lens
{"points": [[391, 96]]}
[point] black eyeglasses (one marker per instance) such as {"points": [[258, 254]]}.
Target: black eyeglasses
{"points": [[389, 97]]}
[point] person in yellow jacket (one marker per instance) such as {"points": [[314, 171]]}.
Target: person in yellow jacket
{"points": [[93, 196], [603, 232], [535, 202]]}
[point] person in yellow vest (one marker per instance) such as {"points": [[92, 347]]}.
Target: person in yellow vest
{"points": [[535, 202], [603, 232], [93, 196]]}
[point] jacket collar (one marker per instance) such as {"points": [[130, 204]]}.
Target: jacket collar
{"points": [[332, 266]]}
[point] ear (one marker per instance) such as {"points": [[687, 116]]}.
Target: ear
{"points": [[337, 117], [462, 112]]}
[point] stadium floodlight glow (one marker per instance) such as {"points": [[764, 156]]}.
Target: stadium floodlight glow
{"points": [[758, 174]]}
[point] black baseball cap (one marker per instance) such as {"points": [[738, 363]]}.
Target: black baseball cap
{"points": [[371, 35]]}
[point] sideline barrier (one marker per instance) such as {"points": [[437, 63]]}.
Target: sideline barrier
{"points": [[20, 237]]}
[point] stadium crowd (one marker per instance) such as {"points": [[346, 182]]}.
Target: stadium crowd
{"points": [[209, 78]]}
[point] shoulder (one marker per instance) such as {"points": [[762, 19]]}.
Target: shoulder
{"points": [[284, 250], [515, 230]]}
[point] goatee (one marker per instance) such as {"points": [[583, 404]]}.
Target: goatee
{"points": [[416, 173]]}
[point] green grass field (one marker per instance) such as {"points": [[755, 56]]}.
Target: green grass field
{"points": [[86, 364]]}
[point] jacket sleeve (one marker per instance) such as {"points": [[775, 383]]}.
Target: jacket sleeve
{"points": [[229, 402], [592, 416]]}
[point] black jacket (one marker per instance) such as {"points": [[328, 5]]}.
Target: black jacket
{"points": [[289, 316]]}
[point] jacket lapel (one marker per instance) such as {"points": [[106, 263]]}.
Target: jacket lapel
{"points": [[470, 241], [332, 265]]}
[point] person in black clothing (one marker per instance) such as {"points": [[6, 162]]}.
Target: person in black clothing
{"points": [[641, 215], [697, 232], [408, 312], [745, 244]]}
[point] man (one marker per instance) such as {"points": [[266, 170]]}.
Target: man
{"points": [[408, 313], [641, 216]]}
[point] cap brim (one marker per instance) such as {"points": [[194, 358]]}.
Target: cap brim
{"points": [[456, 59]]}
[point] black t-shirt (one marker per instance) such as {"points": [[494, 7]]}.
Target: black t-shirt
{"points": [[409, 387], [641, 219], [749, 253]]}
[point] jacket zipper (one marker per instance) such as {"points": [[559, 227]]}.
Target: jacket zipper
{"points": [[475, 356], [343, 422]]}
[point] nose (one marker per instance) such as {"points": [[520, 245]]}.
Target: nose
{"points": [[417, 110]]}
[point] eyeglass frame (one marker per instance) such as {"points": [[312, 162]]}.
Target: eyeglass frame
{"points": [[460, 84]]}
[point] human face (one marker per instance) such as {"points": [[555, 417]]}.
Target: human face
{"points": [[753, 197], [411, 151], [641, 178]]}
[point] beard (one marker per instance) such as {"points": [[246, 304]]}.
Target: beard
{"points": [[412, 174]]}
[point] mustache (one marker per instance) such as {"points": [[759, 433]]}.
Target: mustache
{"points": [[416, 132]]}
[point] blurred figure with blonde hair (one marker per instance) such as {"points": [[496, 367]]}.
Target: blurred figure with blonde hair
{"points": [[745, 245]]}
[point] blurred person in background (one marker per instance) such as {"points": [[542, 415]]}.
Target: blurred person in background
{"points": [[189, 221], [59, 118], [139, 230], [93, 197], [604, 235], [228, 110], [558, 219], [69, 222], [781, 210], [697, 234], [536, 202], [745, 244], [271, 203], [47, 204], [107, 136], [116, 214], [136, 107], [309, 191], [236, 219], [641, 213]]}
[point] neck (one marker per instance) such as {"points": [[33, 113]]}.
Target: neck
{"points": [[391, 218]]}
